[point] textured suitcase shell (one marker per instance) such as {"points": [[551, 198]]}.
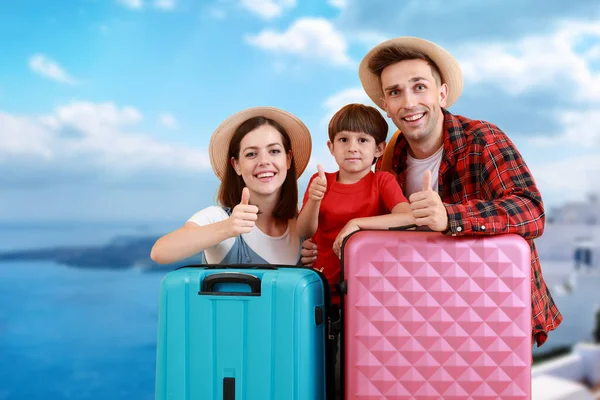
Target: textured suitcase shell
{"points": [[213, 346], [429, 316]]}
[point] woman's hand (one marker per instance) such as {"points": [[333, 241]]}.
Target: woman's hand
{"points": [[350, 227], [308, 253], [243, 217]]}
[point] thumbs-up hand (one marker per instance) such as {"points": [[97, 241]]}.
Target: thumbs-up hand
{"points": [[427, 207], [427, 181], [318, 186], [243, 217], [245, 196]]}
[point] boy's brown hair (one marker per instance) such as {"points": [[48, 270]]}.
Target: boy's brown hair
{"points": [[359, 118], [394, 54], [230, 191]]}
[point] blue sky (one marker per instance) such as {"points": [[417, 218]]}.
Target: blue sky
{"points": [[107, 106]]}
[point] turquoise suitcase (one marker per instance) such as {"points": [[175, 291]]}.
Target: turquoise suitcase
{"points": [[243, 332]]}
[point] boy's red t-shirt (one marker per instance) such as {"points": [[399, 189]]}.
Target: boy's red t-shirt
{"points": [[375, 194]]}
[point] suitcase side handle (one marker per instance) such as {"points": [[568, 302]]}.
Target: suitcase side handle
{"points": [[209, 282]]}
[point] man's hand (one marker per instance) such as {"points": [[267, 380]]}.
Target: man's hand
{"points": [[427, 207], [308, 254], [318, 186], [350, 227], [243, 217]]}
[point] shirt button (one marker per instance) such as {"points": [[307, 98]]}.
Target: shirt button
{"points": [[459, 229], [483, 227]]}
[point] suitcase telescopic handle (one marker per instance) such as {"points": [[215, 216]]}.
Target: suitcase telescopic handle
{"points": [[209, 282]]}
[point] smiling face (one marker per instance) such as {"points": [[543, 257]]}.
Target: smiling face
{"points": [[413, 99], [263, 162], [354, 153]]}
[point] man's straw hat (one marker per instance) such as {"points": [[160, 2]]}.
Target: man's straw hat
{"points": [[448, 66]]}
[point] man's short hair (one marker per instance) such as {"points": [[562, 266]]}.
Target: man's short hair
{"points": [[392, 54]]}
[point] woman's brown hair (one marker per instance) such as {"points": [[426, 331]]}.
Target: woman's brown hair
{"points": [[230, 191]]}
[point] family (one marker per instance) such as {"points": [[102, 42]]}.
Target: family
{"points": [[441, 171]]}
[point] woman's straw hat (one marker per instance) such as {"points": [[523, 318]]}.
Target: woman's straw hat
{"points": [[296, 130]]}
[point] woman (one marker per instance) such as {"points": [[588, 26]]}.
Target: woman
{"points": [[258, 154]]}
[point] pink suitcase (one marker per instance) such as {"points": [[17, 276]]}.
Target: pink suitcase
{"points": [[429, 316]]}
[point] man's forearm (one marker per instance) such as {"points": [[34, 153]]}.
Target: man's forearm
{"points": [[518, 213]]}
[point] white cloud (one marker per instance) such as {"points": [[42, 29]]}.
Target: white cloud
{"points": [[268, 9], [537, 61], [50, 69], [593, 53], [132, 4], [338, 100], [23, 137], [168, 121], [97, 135], [580, 128], [164, 4], [572, 177], [341, 4], [308, 38], [347, 96], [95, 119]]}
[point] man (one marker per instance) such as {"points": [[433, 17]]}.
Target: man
{"points": [[461, 176]]}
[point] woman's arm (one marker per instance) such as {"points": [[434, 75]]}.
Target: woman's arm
{"points": [[188, 240], [192, 238]]}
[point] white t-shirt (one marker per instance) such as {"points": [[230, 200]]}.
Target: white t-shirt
{"points": [[284, 249], [415, 169]]}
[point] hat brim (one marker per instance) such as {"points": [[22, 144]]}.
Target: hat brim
{"points": [[448, 66], [298, 133]]}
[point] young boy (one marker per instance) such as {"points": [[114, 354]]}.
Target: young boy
{"points": [[337, 204]]}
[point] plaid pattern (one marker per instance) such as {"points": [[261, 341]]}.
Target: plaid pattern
{"points": [[487, 189]]}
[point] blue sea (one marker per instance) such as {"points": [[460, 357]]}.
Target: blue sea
{"points": [[69, 333]]}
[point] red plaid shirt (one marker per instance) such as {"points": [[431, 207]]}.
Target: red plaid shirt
{"points": [[487, 189]]}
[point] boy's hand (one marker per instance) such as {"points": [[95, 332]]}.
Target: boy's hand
{"points": [[350, 227], [308, 253], [243, 217], [427, 207], [318, 186]]}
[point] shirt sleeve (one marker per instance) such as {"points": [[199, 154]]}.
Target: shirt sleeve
{"points": [[390, 190], [511, 201], [306, 191], [208, 216]]}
